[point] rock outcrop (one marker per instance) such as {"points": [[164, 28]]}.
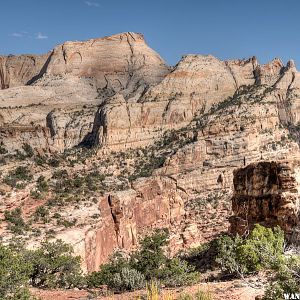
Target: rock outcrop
{"points": [[152, 203], [267, 193], [192, 88], [74, 76]]}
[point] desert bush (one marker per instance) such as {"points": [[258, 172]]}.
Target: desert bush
{"points": [[3, 150], [150, 259], [21, 294], [42, 213], [60, 174], [35, 194], [66, 223], [53, 162], [40, 160], [203, 257], [178, 272], [14, 274], [262, 249], [285, 280], [42, 184], [50, 266], [107, 271], [54, 266], [20, 174], [145, 166], [127, 280], [15, 220], [149, 262], [41, 188], [28, 150]]}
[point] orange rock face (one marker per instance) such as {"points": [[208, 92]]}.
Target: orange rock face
{"points": [[152, 203]]}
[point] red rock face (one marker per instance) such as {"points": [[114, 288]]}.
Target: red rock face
{"points": [[100, 243], [154, 203], [266, 193]]}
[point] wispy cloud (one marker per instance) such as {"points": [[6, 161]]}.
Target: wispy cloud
{"points": [[41, 36], [17, 34], [92, 4], [26, 34]]}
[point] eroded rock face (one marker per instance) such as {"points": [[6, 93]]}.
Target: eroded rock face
{"points": [[73, 77], [267, 193], [192, 88], [20, 70], [126, 215], [118, 62]]}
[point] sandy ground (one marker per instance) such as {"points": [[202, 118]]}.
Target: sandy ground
{"points": [[230, 290]]}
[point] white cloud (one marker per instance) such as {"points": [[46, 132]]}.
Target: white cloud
{"points": [[92, 4], [41, 36], [17, 34]]}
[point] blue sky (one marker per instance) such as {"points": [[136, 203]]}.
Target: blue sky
{"points": [[224, 28]]}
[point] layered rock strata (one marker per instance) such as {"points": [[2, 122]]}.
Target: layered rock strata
{"points": [[267, 193]]}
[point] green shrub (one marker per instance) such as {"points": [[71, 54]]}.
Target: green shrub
{"points": [[66, 223], [54, 266], [227, 257], [28, 150], [14, 274], [107, 271], [50, 266], [149, 263], [60, 174], [42, 213], [15, 220], [285, 280], [150, 259], [20, 174], [203, 257], [35, 195], [53, 163], [262, 249], [21, 294], [178, 272], [2, 148], [42, 184], [40, 160]]}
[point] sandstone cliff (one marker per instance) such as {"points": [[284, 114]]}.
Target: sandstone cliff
{"points": [[21, 70], [76, 75], [267, 193]]}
